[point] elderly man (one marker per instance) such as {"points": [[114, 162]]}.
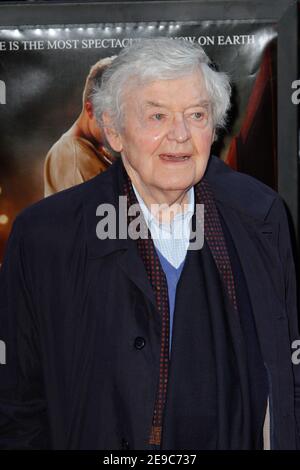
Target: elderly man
{"points": [[80, 153], [118, 341]]}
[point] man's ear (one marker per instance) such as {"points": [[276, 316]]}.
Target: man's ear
{"points": [[89, 109], [111, 133]]}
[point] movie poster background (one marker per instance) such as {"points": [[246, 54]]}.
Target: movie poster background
{"points": [[43, 71]]}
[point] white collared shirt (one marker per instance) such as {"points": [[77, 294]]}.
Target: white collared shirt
{"points": [[171, 239]]}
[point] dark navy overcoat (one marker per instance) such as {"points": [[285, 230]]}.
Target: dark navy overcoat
{"points": [[72, 306]]}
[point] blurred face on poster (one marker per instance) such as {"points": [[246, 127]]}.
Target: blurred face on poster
{"points": [[166, 135]]}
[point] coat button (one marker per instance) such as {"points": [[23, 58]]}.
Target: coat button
{"points": [[139, 342], [125, 444]]}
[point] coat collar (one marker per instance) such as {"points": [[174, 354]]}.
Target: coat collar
{"points": [[244, 202], [106, 189], [240, 192]]}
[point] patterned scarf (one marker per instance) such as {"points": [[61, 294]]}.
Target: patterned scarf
{"points": [[214, 237]]}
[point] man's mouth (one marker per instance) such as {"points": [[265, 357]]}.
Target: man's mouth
{"points": [[175, 157]]}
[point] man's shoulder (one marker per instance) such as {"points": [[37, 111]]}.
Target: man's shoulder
{"points": [[242, 192], [66, 208], [68, 144]]}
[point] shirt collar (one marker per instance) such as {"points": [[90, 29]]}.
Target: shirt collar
{"points": [[150, 218]]}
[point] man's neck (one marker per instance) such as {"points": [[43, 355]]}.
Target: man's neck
{"points": [[163, 208], [82, 129]]}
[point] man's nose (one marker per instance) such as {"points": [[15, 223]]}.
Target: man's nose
{"points": [[179, 130]]}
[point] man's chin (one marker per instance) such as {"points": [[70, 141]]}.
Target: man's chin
{"points": [[176, 187]]}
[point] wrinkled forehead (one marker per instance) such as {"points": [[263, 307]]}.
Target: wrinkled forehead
{"points": [[186, 90]]}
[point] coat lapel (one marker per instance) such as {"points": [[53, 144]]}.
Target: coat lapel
{"points": [[132, 265], [106, 189], [259, 262]]}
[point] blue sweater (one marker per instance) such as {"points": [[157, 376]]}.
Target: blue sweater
{"points": [[173, 275]]}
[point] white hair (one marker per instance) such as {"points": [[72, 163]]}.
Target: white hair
{"points": [[148, 60]]}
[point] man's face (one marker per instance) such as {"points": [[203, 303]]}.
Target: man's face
{"points": [[167, 133]]}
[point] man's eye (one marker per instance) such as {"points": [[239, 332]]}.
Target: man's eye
{"points": [[158, 116], [198, 115]]}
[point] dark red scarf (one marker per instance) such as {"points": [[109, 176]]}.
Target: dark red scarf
{"points": [[215, 239]]}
